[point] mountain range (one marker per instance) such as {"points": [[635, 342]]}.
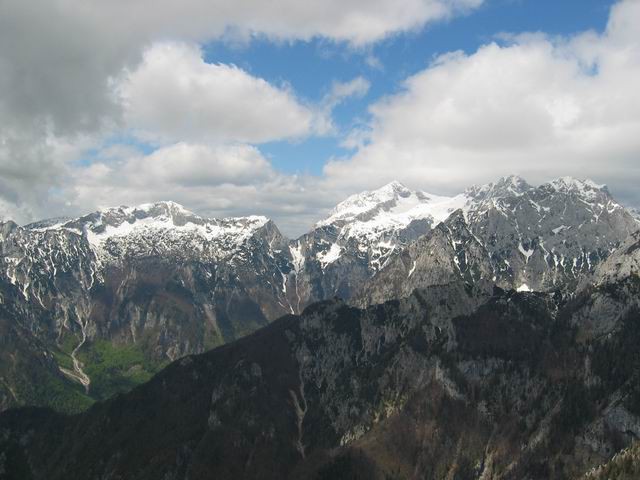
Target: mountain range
{"points": [[407, 335], [156, 282]]}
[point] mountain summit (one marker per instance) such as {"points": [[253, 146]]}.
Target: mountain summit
{"points": [[392, 207], [512, 185]]}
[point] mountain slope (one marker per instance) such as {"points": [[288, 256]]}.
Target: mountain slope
{"points": [[154, 282], [625, 465], [450, 251], [359, 236], [123, 291], [29, 371], [453, 382]]}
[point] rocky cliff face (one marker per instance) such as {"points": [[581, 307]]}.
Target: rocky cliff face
{"points": [[450, 252], [28, 369], [549, 236], [623, 263], [625, 465]]}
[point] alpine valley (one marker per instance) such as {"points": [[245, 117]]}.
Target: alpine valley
{"points": [[489, 335]]}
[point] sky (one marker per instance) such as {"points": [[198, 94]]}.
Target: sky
{"points": [[284, 108]]}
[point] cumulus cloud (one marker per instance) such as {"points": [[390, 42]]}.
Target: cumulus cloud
{"points": [[34, 171], [537, 105], [182, 165], [358, 87], [355, 21], [174, 95], [133, 177]]}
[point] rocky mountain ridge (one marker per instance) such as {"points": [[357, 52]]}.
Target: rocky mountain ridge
{"points": [[166, 282], [544, 238]]}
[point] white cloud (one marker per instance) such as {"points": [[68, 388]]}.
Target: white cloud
{"points": [[173, 95], [374, 62], [33, 172], [60, 60], [358, 87], [537, 105], [132, 176], [355, 21], [57, 58]]}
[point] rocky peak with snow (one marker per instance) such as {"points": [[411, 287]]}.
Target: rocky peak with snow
{"points": [[535, 238], [576, 186], [379, 214], [155, 271], [366, 205], [157, 228], [360, 235], [159, 213], [505, 187]]}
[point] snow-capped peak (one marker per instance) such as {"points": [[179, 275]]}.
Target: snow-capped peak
{"points": [[372, 214], [165, 204], [153, 225], [514, 183], [571, 183], [361, 204], [167, 208], [587, 189], [394, 188], [509, 186], [165, 214], [379, 221], [162, 212]]}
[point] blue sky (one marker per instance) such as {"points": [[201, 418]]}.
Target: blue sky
{"points": [[310, 67]]}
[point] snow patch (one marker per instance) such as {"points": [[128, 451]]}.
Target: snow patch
{"points": [[297, 258], [527, 253], [329, 256], [413, 269]]}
